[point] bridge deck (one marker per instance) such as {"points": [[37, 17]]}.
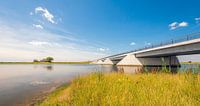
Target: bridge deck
{"points": [[189, 39]]}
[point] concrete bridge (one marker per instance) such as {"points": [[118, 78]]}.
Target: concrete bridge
{"points": [[164, 53]]}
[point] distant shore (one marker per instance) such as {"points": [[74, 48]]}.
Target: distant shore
{"points": [[84, 62]]}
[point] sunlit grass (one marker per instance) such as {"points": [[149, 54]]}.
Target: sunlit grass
{"points": [[117, 89]]}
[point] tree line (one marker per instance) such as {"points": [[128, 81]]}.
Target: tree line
{"points": [[47, 59]]}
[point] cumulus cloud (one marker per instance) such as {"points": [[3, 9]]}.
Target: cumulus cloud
{"points": [[176, 25], [38, 26], [45, 13], [132, 43], [183, 24], [173, 25]]}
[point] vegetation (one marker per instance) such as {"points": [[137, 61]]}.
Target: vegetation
{"points": [[190, 62], [129, 89], [47, 59], [35, 60]]}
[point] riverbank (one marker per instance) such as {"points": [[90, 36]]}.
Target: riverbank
{"points": [[190, 63], [129, 89], [84, 62]]}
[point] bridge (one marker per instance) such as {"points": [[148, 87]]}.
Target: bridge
{"points": [[164, 53]]}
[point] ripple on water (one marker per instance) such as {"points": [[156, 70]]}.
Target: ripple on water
{"points": [[36, 83]]}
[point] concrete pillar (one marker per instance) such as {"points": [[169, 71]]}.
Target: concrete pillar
{"points": [[107, 62], [130, 59], [99, 62]]}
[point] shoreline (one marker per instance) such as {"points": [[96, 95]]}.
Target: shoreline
{"points": [[42, 97], [97, 87], [37, 100]]}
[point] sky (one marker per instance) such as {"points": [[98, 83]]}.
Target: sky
{"points": [[82, 30]]}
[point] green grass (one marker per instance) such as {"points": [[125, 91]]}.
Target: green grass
{"points": [[85, 62], [115, 89]]}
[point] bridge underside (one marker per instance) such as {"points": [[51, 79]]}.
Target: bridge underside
{"points": [[134, 61], [164, 55], [150, 61]]}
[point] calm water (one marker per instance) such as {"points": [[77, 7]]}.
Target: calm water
{"points": [[20, 84]]}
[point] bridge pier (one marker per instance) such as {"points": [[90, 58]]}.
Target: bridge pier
{"points": [[132, 60], [107, 62], [99, 62]]}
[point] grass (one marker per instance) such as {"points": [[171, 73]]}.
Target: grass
{"points": [[117, 89], [85, 62], [190, 62]]}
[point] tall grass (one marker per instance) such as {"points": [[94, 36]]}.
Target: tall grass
{"points": [[118, 89]]}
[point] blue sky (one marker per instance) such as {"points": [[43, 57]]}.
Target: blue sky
{"points": [[76, 30]]}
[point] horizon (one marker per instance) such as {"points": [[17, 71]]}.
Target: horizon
{"points": [[87, 30]]}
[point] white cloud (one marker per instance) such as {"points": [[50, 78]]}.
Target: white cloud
{"points": [[197, 20], [38, 26], [176, 25], [39, 43], [45, 13], [103, 49], [26, 44], [183, 24], [132, 43], [44, 43], [173, 25]]}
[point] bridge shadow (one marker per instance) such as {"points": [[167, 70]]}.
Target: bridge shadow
{"points": [[146, 69], [150, 64]]}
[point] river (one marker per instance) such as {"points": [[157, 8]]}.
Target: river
{"points": [[21, 84]]}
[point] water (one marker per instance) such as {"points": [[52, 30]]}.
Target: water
{"points": [[20, 84]]}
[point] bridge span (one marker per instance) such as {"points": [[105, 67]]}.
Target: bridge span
{"points": [[164, 53]]}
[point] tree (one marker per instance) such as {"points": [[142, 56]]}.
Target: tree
{"points": [[35, 60], [49, 59]]}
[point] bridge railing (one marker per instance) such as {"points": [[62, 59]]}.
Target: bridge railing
{"points": [[172, 41]]}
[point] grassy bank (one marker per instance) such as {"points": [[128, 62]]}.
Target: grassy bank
{"points": [[85, 62], [121, 89], [190, 62]]}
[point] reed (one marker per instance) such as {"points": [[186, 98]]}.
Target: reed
{"points": [[129, 89]]}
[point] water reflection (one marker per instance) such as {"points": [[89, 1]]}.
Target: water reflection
{"points": [[152, 69], [46, 67], [121, 69], [49, 67]]}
